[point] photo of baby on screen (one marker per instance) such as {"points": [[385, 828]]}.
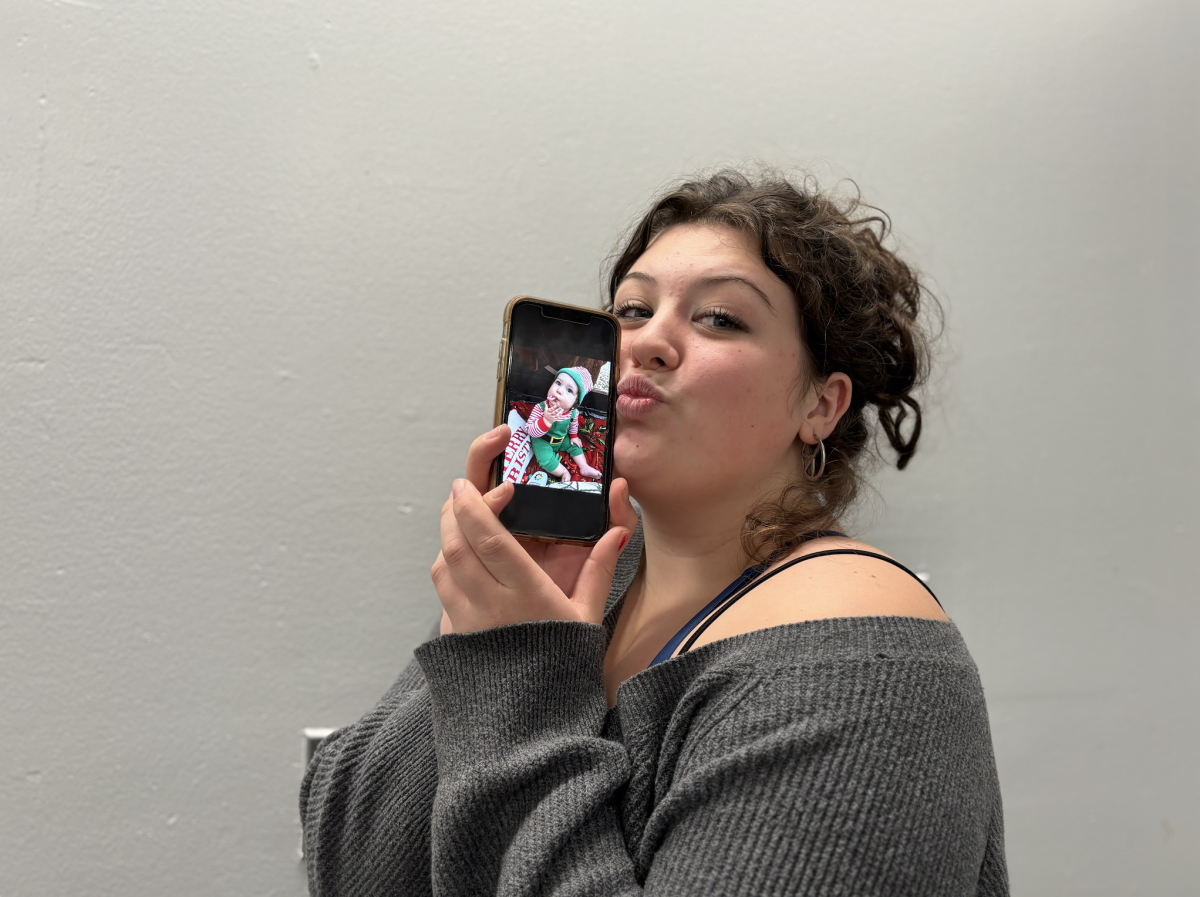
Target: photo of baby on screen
{"points": [[558, 414]]}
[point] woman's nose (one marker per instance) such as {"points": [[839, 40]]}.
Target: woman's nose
{"points": [[654, 345]]}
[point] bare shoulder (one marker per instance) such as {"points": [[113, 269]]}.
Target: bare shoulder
{"points": [[841, 585]]}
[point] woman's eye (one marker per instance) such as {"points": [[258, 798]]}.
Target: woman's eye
{"points": [[721, 320], [631, 312]]}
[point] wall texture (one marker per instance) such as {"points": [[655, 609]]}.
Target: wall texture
{"points": [[253, 258]]}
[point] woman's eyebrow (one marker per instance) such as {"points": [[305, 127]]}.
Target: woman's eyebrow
{"points": [[707, 282], [640, 275], [734, 278]]}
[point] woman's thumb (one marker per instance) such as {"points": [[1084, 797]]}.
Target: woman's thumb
{"points": [[621, 512], [596, 576]]}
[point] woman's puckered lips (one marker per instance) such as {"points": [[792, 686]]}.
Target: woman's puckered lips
{"points": [[637, 398], [635, 386]]}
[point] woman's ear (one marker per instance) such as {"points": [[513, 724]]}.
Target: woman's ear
{"points": [[833, 398]]}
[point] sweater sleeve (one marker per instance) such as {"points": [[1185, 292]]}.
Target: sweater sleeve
{"points": [[770, 781], [525, 798], [366, 799]]}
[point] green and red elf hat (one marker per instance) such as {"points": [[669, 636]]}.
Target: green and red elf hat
{"points": [[582, 379]]}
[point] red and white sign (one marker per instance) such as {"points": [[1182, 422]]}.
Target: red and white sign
{"points": [[518, 451]]}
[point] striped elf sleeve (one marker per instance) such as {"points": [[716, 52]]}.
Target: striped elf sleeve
{"points": [[535, 425]]}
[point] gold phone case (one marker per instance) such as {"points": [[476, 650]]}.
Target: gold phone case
{"points": [[499, 418]]}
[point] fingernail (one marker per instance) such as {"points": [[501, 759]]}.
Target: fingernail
{"points": [[624, 539], [496, 430], [457, 487]]}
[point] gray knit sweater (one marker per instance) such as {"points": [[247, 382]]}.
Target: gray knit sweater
{"points": [[834, 757]]}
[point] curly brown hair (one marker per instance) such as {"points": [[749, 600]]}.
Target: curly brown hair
{"points": [[860, 307]]}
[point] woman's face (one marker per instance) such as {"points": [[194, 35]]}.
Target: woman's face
{"points": [[711, 360], [563, 392]]}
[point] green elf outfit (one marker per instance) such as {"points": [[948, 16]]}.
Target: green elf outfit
{"points": [[548, 441]]}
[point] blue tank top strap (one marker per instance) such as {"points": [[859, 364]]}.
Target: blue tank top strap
{"points": [[669, 649], [748, 576]]}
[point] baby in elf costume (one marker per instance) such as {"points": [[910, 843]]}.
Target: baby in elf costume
{"points": [[552, 421]]}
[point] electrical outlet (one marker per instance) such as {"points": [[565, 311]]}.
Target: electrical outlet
{"points": [[313, 736]]}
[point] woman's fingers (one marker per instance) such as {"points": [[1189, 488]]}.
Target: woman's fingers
{"points": [[562, 564], [485, 577], [595, 577], [498, 498], [447, 589], [493, 546], [483, 452], [463, 565]]}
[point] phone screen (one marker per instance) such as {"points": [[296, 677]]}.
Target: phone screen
{"points": [[560, 370]]}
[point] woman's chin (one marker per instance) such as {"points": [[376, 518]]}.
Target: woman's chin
{"points": [[640, 465]]}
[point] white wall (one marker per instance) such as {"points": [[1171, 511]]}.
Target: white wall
{"points": [[252, 263]]}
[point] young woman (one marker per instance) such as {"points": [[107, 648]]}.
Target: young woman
{"points": [[630, 718]]}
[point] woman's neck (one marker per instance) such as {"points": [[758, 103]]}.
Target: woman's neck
{"points": [[693, 537], [689, 555]]}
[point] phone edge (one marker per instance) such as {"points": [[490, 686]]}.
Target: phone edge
{"points": [[611, 425]]}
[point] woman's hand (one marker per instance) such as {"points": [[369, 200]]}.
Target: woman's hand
{"points": [[485, 577]]}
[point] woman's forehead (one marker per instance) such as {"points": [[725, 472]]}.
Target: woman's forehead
{"points": [[704, 245]]}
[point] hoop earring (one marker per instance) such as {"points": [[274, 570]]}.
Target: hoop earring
{"points": [[812, 469]]}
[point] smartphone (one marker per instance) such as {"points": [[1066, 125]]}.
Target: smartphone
{"points": [[556, 375]]}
